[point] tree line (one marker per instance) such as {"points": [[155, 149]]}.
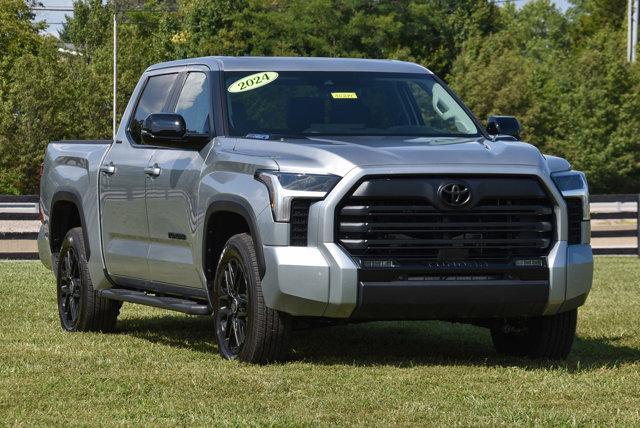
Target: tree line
{"points": [[563, 74]]}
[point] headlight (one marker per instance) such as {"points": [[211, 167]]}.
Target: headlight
{"points": [[573, 184], [570, 180], [286, 186]]}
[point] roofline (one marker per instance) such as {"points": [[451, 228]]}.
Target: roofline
{"points": [[255, 63]]}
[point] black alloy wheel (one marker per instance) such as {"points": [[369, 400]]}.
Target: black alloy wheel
{"points": [[80, 307], [232, 315], [69, 289], [246, 328]]}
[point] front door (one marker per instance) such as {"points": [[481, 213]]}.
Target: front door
{"points": [[125, 228], [172, 194]]}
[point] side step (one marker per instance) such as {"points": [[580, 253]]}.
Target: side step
{"points": [[172, 303]]}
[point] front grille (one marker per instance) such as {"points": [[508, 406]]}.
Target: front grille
{"points": [[299, 222], [574, 210], [402, 221]]}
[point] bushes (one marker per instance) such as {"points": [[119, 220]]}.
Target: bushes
{"points": [[576, 96]]}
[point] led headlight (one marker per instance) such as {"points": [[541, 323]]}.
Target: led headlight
{"points": [[286, 186], [573, 184]]}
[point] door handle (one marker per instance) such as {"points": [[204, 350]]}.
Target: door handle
{"points": [[153, 171], [108, 168]]}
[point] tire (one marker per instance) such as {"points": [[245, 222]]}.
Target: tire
{"points": [[245, 328], [79, 306], [548, 337]]}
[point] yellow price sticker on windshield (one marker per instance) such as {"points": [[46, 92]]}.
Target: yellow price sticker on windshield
{"points": [[344, 95], [253, 81]]}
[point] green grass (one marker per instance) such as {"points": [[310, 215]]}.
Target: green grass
{"points": [[162, 368]]}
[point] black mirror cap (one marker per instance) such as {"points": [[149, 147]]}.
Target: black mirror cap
{"points": [[163, 128], [503, 125]]}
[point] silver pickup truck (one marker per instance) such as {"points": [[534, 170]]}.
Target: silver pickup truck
{"points": [[270, 192]]}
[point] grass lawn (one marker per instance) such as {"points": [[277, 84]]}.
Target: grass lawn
{"points": [[161, 368]]}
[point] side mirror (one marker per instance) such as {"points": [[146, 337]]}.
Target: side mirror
{"points": [[503, 125], [160, 129]]}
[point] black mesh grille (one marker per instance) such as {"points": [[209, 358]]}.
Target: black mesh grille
{"points": [[574, 208], [379, 221], [299, 222]]}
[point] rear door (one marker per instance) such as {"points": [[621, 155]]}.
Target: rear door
{"points": [[172, 195], [125, 230]]}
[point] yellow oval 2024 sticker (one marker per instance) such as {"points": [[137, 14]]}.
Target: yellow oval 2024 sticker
{"points": [[253, 81]]}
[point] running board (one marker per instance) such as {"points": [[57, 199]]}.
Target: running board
{"points": [[172, 303]]}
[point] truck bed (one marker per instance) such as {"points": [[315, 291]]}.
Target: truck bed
{"points": [[70, 170]]}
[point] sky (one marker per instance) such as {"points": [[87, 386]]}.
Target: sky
{"points": [[56, 18]]}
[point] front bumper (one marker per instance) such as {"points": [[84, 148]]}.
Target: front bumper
{"points": [[323, 280], [312, 281]]}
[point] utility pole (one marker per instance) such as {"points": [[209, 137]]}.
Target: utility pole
{"points": [[634, 44], [115, 72], [632, 29]]}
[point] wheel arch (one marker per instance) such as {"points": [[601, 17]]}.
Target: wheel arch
{"points": [[236, 208], [67, 213]]}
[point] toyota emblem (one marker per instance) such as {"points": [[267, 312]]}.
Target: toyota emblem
{"points": [[454, 194]]}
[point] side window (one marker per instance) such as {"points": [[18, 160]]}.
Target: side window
{"points": [[193, 103], [153, 99], [440, 111]]}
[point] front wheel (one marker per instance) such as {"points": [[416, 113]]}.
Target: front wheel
{"points": [[245, 328], [547, 337]]}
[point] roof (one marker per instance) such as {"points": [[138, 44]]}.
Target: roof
{"points": [[256, 63]]}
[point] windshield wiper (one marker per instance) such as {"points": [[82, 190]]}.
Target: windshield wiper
{"points": [[275, 136]]}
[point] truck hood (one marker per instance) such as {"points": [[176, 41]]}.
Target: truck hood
{"points": [[339, 155]]}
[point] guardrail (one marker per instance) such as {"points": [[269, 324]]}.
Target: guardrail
{"points": [[24, 209], [616, 215], [18, 243]]}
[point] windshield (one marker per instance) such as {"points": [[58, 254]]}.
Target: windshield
{"points": [[296, 103]]}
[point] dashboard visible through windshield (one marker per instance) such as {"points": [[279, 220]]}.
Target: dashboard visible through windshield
{"points": [[299, 104]]}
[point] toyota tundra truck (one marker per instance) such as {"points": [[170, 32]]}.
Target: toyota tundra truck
{"points": [[269, 192]]}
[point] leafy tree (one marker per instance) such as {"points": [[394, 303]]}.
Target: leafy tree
{"points": [[591, 16], [426, 32], [511, 71], [563, 75], [18, 36], [595, 129], [575, 97]]}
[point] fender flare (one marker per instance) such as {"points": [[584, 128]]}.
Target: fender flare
{"points": [[236, 205], [70, 195]]}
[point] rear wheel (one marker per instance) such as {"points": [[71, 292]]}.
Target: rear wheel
{"points": [[549, 337], [245, 328], [79, 305]]}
